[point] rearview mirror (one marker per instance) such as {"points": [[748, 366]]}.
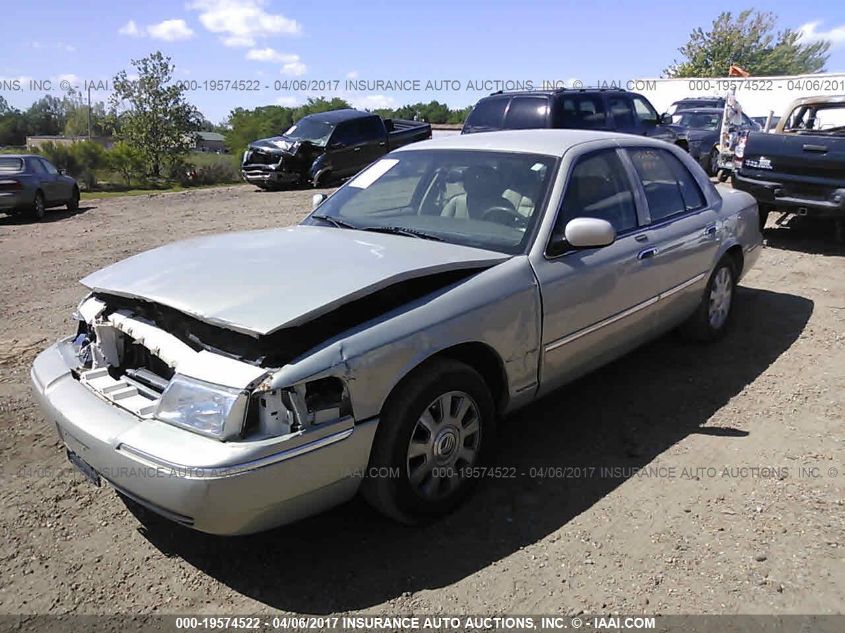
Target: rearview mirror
{"points": [[666, 118], [589, 233], [317, 199]]}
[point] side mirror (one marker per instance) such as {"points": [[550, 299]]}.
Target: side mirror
{"points": [[63, 172], [317, 199], [665, 119], [589, 233]]}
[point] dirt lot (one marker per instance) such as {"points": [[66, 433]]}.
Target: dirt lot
{"points": [[677, 538]]}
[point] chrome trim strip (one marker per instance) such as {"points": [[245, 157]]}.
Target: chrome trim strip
{"points": [[679, 287], [621, 315], [214, 472], [597, 326]]}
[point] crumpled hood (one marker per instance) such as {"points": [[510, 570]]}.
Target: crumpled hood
{"points": [[260, 281], [275, 144]]}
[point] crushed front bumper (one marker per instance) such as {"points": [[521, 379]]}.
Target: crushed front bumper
{"points": [[266, 175], [212, 486]]}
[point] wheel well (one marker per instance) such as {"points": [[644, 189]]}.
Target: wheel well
{"points": [[483, 359], [735, 253]]}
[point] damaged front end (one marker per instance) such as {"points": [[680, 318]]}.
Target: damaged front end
{"points": [[161, 365], [278, 161]]}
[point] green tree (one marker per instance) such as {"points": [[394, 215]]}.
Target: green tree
{"points": [[126, 160], [47, 116], [155, 117], [750, 41]]}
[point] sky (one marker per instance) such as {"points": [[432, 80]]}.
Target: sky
{"points": [[286, 51]]}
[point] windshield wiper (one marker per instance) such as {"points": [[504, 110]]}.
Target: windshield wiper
{"points": [[341, 224], [401, 230]]}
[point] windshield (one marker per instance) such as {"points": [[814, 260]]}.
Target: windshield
{"points": [[485, 199], [8, 164], [698, 120], [822, 118], [316, 132]]}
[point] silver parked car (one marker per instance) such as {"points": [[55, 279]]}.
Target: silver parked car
{"points": [[237, 382], [33, 184]]}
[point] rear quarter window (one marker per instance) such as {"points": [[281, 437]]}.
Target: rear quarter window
{"points": [[487, 114], [527, 113], [8, 164]]}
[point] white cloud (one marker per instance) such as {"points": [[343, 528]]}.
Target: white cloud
{"points": [[372, 102], [242, 22], [271, 55], [74, 80], [131, 29], [292, 64], [809, 34], [170, 31], [352, 74], [289, 101], [294, 69]]}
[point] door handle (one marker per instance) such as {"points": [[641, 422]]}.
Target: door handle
{"points": [[357, 149], [710, 230], [647, 253], [642, 237]]}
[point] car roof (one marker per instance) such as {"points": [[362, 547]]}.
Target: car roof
{"points": [[18, 156], [551, 142], [702, 111], [700, 99], [549, 92], [336, 116]]}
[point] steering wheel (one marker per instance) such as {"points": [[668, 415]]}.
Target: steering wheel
{"points": [[512, 218]]}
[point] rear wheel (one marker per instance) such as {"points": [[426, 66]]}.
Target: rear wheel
{"points": [[73, 203], [712, 317], [39, 210], [435, 429]]}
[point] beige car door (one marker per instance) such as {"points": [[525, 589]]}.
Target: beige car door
{"points": [[597, 303]]}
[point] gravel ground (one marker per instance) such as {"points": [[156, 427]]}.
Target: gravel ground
{"points": [[739, 508]]}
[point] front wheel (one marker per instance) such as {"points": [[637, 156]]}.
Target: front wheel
{"points": [[712, 317], [435, 430], [73, 203]]}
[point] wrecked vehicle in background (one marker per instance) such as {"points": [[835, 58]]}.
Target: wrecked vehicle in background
{"points": [[701, 128], [323, 148], [237, 382], [800, 167]]}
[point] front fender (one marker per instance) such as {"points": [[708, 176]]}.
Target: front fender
{"points": [[498, 307]]}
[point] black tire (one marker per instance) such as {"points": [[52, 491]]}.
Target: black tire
{"points": [[723, 175], [73, 203], [713, 162], [701, 325], [39, 210], [397, 494]]}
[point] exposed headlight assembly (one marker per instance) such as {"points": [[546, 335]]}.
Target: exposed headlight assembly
{"points": [[300, 407], [202, 407]]}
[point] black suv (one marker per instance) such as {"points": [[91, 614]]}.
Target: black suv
{"points": [[583, 108]]}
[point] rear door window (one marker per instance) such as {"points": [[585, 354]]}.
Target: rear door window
{"points": [[371, 129], [527, 113], [622, 112], [670, 188], [583, 112], [487, 114]]}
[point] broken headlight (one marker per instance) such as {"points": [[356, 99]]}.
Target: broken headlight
{"points": [[202, 407], [298, 408]]}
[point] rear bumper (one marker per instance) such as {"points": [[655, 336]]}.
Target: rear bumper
{"points": [[9, 201], [255, 491], [829, 202]]}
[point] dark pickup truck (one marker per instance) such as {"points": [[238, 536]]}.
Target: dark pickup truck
{"points": [[326, 147], [582, 108], [800, 167]]}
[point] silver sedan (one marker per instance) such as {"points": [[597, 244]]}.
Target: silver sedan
{"points": [[32, 184], [237, 382]]}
